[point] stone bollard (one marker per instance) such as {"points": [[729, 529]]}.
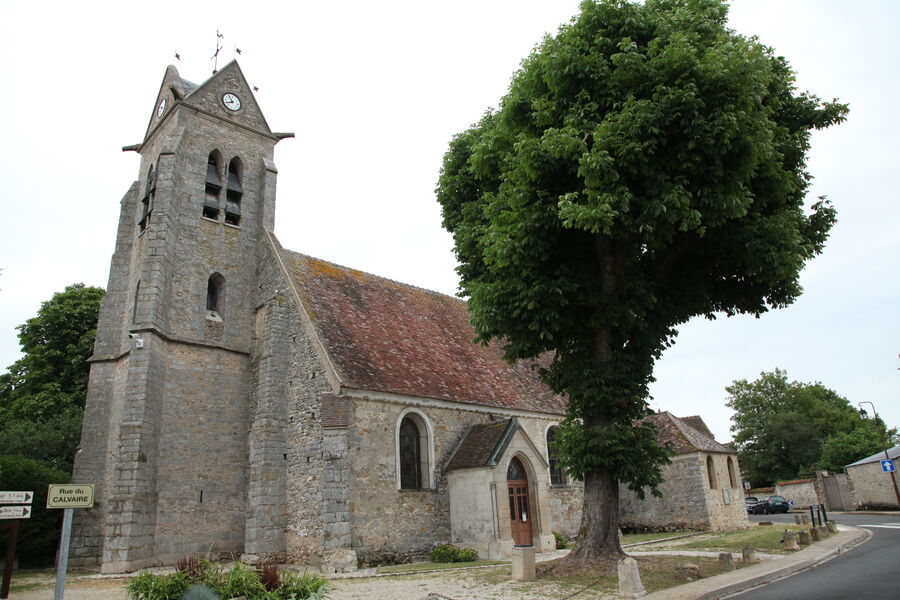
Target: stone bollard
{"points": [[523, 563], [804, 520], [630, 585], [813, 534], [726, 561], [803, 538], [823, 532], [831, 526], [790, 540], [748, 555], [688, 571], [797, 520]]}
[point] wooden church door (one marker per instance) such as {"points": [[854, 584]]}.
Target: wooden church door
{"points": [[519, 513]]}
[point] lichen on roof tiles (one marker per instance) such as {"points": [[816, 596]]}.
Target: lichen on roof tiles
{"points": [[391, 337]]}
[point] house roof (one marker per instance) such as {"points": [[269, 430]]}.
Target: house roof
{"points": [[483, 442], [683, 438], [385, 336], [697, 422], [894, 453]]}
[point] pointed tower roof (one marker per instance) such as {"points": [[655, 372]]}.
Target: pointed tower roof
{"points": [[226, 95]]}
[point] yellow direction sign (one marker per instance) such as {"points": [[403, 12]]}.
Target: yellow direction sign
{"points": [[70, 495]]}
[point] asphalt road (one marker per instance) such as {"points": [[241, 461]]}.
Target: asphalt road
{"points": [[870, 571]]}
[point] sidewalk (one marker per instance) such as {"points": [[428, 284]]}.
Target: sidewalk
{"points": [[768, 571]]}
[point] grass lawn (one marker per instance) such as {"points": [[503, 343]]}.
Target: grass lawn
{"points": [[635, 538], [765, 538]]}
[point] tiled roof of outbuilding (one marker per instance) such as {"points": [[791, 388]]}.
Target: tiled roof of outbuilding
{"points": [[477, 447], [697, 422], [385, 336], [682, 437]]}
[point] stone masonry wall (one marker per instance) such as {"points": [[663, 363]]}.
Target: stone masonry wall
{"points": [[725, 503], [871, 486], [682, 506]]}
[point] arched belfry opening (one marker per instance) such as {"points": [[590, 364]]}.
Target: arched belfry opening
{"points": [[234, 192], [213, 186]]}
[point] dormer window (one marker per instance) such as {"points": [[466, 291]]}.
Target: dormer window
{"points": [[233, 193], [147, 200], [213, 188]]}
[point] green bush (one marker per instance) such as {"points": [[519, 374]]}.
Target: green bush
{"points": [[239, 580], [39, 534], [448, 553], [562, 541]]}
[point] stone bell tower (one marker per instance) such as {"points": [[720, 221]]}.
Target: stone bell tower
{"points": [[165, 435]]}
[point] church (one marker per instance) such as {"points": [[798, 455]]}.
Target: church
{"points": [[249, 401]]}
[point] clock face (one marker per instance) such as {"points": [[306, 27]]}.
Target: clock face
{"points": [[231, 102], [162, 107]]}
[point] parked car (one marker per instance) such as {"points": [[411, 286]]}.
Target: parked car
{"points": [[750, 502], [770, 504]]}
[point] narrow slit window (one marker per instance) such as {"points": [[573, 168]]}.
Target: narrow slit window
{"points": [[147, 200], [557, 473], [137, 295], [215, 294], [711, 472]]}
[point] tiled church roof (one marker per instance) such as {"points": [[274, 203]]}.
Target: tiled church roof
{"points": [[480, 444], [699, 424], [682, 437], [390, 337]]}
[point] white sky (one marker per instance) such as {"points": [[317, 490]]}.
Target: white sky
{"points": [[374, 91]]}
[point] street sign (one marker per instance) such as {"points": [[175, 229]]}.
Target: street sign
{"points": [[15, 512], [16, 497], [70, 495], [887, 466]]}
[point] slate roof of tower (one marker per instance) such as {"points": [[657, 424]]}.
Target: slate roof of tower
{"points": [[682, 437], [390, 337]]}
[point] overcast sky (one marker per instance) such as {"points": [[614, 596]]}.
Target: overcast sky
{"points": [[374, 92]]}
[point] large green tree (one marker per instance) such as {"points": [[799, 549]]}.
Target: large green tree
{"points": [[646, 166], [783, 429], [42, 395]]}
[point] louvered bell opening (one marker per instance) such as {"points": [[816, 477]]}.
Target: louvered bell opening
{"points": [[234, 183], [211, 200], [212, 177], [233, 208]]}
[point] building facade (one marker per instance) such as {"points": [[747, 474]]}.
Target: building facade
{"points": [[245, 399]]}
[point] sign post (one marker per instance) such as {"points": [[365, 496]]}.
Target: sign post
{"points": [[23, 511], [67, 496]]}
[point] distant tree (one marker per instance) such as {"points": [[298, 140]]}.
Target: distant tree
{"points": [[646, 166], [781, 428], [43, 393], [842, 449]]}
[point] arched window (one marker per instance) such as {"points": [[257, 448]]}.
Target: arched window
{"points": [[415, 454], [711, 472], [147, 200], [732, 478], [213, 187], [215, 294], [557, 474], [233, 193]]}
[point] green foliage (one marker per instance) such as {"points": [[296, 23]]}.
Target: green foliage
{"points": [[38, 535], [198, 591], [148, 586], [844, 448], [448, 553], [562, 541], [43, 393], [782, 429], [646, 166], [193, 576]]}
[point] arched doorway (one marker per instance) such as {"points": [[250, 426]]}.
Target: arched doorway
{"points": [[517, 489]]}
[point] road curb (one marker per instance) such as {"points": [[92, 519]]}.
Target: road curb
{"points": [[710, 589]]}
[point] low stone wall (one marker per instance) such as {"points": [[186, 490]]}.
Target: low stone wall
{"points": [[872, 487], [801, 491]]}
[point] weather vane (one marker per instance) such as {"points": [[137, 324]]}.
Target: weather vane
{"points": [[215, 56]]}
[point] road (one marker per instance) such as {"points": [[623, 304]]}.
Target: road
{"points": [[868, 572]]}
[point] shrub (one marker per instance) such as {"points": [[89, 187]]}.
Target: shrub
{"points": [[39, 534], [147, 586], [562, 541], [308, 586], [448, 553], [193, 568]]}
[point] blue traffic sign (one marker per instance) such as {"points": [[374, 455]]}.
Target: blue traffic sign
{"points": [[887, 466]]}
